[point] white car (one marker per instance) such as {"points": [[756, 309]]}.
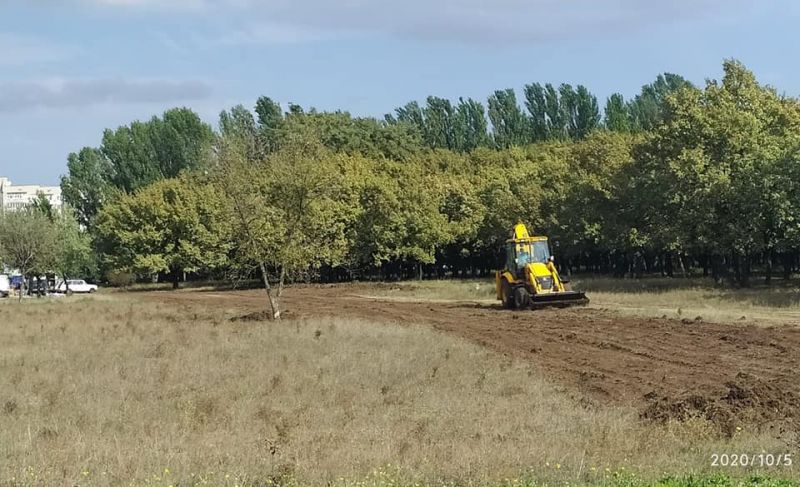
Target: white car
{"points": [[5, 286], [76, 286]]}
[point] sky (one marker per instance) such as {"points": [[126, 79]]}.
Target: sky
{"points": [[71, 68]]}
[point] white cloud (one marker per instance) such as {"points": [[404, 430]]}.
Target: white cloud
{"points": [[63, 93], [467, 21]]}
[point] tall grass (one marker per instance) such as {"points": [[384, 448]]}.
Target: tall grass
{"points": [[118, 390]]}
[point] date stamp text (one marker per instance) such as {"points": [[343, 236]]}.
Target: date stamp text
{"points": [[751, 459]]}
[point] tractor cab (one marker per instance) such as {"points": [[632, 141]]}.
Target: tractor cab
{"points": [[520, 254]]}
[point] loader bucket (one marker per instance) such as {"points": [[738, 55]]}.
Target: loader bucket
{"points": [[566, 298]]}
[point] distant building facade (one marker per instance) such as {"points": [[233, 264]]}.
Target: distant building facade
{"points": [[13, 197]]}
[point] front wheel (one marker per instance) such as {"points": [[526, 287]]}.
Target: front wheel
{"points": [[522, 298]]}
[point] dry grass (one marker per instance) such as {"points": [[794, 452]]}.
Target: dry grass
{"points": [[677, 298], [650, 297], [113, 390]]}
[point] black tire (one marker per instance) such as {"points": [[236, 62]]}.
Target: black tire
{"points": [[508, 295], [69, 292], [522, 298], [91, 291]]}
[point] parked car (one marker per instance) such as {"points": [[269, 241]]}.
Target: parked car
{"points": [[5, 286], [76, 286]]}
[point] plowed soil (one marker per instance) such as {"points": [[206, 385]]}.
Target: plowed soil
{"points": [[733, 374]]}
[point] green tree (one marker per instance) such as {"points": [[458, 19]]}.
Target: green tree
{"points": [[595, 216], [175, 225], [469, 125], [585, 114], [647, 108], [556, 117], [28, 242], [717, 169], [399, 220], [270, 122], [284, 209], [43, 205], [617, 118], [145, 152], [239, 123], [74, 256], [340, 132], [537, 108], [87, 185], [509, 124], [438, 116]]}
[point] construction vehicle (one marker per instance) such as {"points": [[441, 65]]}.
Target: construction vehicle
{"points": [[530, 278]]}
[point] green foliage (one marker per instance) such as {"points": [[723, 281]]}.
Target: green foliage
{"points": [[439, 129], [617, 117], [86, 187], [469, 126], [647, 108], [238, 123], [399, 218], [75, 256], [717, 171], [509, 124], [537, 109], [28, 241], [174, 225], [695, 175], [145, 152]]}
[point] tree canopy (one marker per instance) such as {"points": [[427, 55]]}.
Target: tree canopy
{"points": [[676, 177]]}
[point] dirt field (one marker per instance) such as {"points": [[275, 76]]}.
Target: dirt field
{"points": [[733, 374]]}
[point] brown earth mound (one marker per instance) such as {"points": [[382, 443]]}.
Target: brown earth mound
{"points": [[749, 400], [729, 373]]}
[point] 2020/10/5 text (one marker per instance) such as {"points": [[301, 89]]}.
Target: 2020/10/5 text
{"points": [[751, 460]]}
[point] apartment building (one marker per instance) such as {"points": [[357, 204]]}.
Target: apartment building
{"points": [[14, 197]]}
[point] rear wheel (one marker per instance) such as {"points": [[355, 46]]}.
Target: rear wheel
{"points": [[522, 298], [508, 295]]}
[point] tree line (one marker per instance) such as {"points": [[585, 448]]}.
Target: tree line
{"points": [[679, 179], [39, 241]]}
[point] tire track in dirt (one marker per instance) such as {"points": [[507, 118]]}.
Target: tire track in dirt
{"points": [[666, 368]]}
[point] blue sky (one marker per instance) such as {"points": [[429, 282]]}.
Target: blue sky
{"points": [[70, 68]]}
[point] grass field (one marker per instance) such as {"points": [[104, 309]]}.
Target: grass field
{"points": [[656, 297], [115, 389]]}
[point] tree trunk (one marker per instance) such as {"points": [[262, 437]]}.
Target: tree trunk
{"points": [[668, 265], [274, 301], [718, 269], [682, 265], [745, 274], [281, 280], [768, 267], [21, 287], [787, 265], [176, 278]]}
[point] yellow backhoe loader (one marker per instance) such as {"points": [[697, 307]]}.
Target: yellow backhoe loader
{"points": [[530, 278]]}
